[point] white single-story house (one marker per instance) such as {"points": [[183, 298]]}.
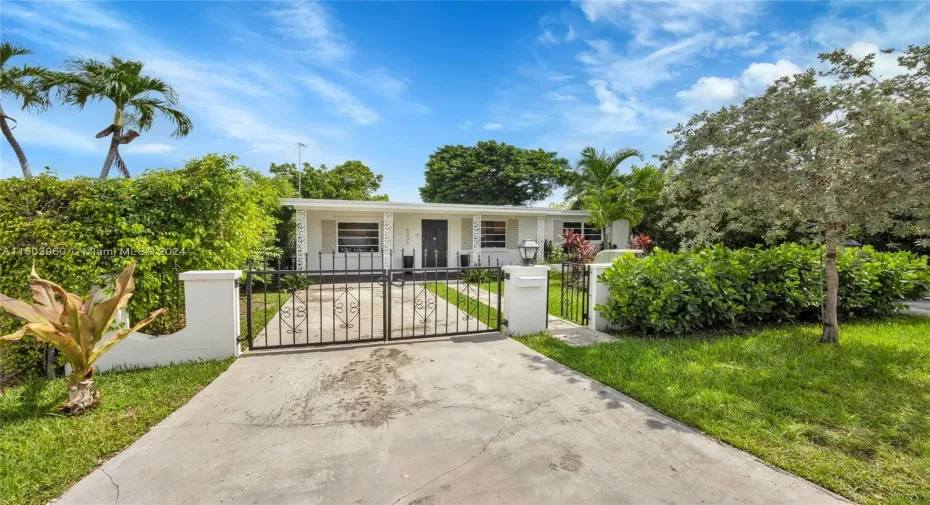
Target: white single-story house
{"points": [[378, 234]]}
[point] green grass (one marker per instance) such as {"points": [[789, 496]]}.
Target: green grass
{"points": [[465, 303], [44, 452], [555, 298], [854, 418], [264, 307]]}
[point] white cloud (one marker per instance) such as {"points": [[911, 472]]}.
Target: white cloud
{"points": [[759, 76], [310, 22], [571, 35], [710, 93], [626, 74], [466, 125], [547, 38], [492, 126], [147, 149], [559, 77], [38, 131], [886, 65], [654, 23], [556, 96], [345, 103]]}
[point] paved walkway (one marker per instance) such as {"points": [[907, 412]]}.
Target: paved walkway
{"points": [[921, 307], [566, 331], [477, 420]]}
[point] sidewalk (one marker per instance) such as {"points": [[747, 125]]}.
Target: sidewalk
{"points": [[570, 333]]}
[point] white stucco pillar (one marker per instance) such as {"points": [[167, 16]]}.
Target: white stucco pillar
{"points": [[541, 238], [525, 305], [388, 249], [300, 221], [475, 239], [598, 293]]}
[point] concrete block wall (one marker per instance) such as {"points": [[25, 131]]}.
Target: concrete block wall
{"points": [[212, 331]]}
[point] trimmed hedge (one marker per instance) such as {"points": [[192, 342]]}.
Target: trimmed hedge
{"points": [[718, 288], [210, 214]]}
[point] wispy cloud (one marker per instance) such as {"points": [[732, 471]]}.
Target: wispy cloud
{"points": [[148, 149], [492, 126], [310, 23], [345, 103], [714, 92], [466, 124]]}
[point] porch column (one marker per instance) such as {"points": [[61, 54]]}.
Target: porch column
{"points": [[300, 218], [388, 249], [541, 238], [476, 239]]}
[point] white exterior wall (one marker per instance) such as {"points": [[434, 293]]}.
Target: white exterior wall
{"points": [[408, 237], [212, 306]]}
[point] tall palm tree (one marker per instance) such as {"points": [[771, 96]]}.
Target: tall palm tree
{"points": [[23, 83], [134, 96], [597, 187]]}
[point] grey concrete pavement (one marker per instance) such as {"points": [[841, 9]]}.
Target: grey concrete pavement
{"points": [[479, 419], [355, 311], [921, 307]]}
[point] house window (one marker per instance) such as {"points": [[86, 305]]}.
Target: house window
{"points": [[358, 237], [493, 234], [590, 231]]}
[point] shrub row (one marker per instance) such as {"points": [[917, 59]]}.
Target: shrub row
{"points": [[211, 214], [718, 288]]}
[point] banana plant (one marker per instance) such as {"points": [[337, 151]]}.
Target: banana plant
{"points": [[75, 326]]}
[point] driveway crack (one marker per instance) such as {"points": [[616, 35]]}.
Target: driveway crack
{"points": [[114, 484], [486, 445]]}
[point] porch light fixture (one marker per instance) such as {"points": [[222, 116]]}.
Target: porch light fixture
{"points": [[528, 251]]}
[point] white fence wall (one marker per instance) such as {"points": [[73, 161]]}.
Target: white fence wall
{"points": [[212, 331]]}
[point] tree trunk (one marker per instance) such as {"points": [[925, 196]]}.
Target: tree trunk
{"points": [[831, 328], [81, 396], [8, 133], [111, 153]]}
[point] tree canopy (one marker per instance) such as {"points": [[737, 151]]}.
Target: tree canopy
{"points": [[833, 153], [352, 180], [492, 173]]}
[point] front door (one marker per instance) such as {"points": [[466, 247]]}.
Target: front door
{"points": [[435, 243]]}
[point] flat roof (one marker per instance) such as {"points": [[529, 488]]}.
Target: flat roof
{"points": [[460, 208]]}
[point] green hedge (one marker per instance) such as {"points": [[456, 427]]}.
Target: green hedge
{"points": [[718, 288], [211, 214]]}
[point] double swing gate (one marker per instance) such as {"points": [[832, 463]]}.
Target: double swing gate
{"points": [[292, 308]]}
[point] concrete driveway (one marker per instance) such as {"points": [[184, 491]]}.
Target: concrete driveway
{"points": [[479, 419]]}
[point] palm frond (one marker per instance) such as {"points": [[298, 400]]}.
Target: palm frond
{"points": [[9, 50]]}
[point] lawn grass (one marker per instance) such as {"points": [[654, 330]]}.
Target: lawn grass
{"points": [[555, 298], [465, 303], [264, 307], [852, 418], [42, 452]]}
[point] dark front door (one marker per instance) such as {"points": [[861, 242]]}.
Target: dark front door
{"points": [[435, 243]]}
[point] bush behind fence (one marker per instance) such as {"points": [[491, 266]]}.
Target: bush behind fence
{"points": [[719, 288]]}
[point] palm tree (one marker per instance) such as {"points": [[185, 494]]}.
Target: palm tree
{"points": [[133, 95], [597, 187], [23, 83]]}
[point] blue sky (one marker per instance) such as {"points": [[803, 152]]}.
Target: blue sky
{"points": [[389, 82]]}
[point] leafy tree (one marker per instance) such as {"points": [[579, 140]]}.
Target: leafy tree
{"points": [[24, 84], [492, 173], [352, 180], [850, 156], [134, 96]]}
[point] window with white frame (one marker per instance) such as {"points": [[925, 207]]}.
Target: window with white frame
{"points": [[493, 234], [590, 231], [358, 237]]}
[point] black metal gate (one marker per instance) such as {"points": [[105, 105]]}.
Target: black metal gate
{"points": [[574, 285], [293, 308]]}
